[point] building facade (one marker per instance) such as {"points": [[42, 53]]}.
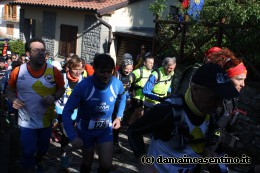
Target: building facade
{"points": [[9, 20], [88, 27]]}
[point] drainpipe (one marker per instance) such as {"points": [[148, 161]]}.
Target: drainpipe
{"points": [[109, 34]]}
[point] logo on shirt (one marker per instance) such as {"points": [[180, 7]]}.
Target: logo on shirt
{"points": [[48, 78], [102, 107], [222, 78], [94, 99], [111, 99]]}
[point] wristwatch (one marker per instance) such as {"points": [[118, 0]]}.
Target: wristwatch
{"points": [[120, 118]]}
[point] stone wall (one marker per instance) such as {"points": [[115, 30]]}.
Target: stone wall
{"points": [[48, 30], [249, 99], [91, 38]]}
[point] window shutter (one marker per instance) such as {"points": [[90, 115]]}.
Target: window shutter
{"points": [[68, 39]]}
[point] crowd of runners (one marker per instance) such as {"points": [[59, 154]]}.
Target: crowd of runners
{"points": [[87, 104]]}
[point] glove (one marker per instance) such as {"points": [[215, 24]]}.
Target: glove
{"points": [[77, 142]]}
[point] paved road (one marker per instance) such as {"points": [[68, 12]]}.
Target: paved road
{"points": [[123, 162], [10, 154]]}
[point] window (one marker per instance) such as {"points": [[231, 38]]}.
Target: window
{"points": [[10, 12], [9, 29], [68, 39]]}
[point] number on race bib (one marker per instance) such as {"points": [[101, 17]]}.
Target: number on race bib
{"points": [[98, 124]]}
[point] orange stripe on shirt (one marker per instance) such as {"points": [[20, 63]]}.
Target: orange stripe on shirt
{"points": [[57, 74]]}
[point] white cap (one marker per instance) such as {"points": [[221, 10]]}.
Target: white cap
{"points": [[57, 65], [8, 52]]}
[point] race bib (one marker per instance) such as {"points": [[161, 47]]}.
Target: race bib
{"points": [[100, 124]]}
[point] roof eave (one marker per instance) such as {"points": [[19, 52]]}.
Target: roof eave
{"points": [[59, 7], [112, 8], [102, 11], [109, 9]]}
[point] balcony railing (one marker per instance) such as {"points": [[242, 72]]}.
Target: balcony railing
{"points": [[10, 18]]}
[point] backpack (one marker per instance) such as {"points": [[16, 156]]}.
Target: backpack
{"points": [[235, 134], [134, 85], [185, 79], [126, 83], [181, 133], [140, 78], [159, 78]]}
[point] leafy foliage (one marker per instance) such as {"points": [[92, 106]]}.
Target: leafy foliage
{"points": [[235, 11], [242, 37], [157, 7], [17, 46]]}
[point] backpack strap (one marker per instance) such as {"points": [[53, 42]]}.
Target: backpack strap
{"points": [[159, 77], [141, 76], [134, 85]]}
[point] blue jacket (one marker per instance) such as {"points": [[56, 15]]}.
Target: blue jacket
{"points": [[95, 101]]}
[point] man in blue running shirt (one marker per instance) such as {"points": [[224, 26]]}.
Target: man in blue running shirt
{"points": [[95, 98]]}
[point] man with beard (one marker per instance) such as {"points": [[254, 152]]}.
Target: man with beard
{"points": [[33, 89]]}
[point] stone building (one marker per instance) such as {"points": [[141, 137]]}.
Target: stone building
{"points": [[9, 20], [87, 27]]}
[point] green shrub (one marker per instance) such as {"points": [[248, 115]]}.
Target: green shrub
{"points": [[17, 46]]}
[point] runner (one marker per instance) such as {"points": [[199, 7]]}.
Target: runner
{"points": [[124, 74], [158, 86], [179, 124], [140, 77], [71, 79], [33, 89], [95, 98]]}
